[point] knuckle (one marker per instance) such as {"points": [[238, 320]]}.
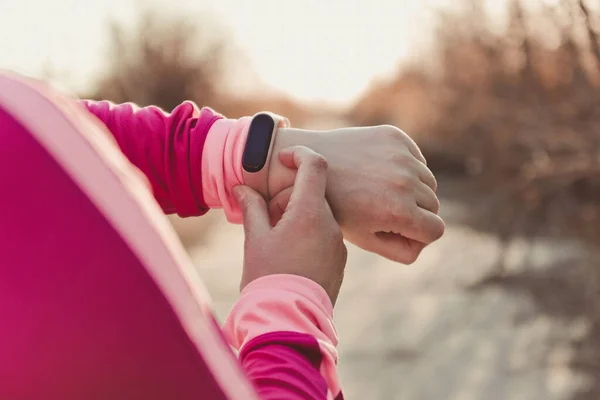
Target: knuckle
{"points": [[434, 183], [380, 214], [397, 214], [406, 182], [436, 206], [403, 217], [391, 131], [398, 135], [319, 162], [403, 157], [428, 173]]}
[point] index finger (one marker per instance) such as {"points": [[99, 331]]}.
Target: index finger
{"points": [[414, 149], [311, 178], [406, 140]]}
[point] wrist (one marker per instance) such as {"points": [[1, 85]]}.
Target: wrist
{"points": [[289, 302], [222, 165], [261, 138], [280, 176]]}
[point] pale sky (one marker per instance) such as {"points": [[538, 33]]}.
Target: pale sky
{"points": [[314, 49]]}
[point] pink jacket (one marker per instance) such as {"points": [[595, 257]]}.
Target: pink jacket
{"points": [[84, 319]]}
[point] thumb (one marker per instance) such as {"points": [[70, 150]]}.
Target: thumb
{"points": [[254, 209], [392, 246]]}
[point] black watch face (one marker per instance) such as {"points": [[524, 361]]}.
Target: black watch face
{"points": [[258, 142]]}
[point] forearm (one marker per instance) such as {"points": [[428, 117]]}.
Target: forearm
{"points": [[166, 147], [283, 327], [192, 157]]}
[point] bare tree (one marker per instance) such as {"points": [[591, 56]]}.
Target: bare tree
{"points": [[593, 36], [163, 61]]}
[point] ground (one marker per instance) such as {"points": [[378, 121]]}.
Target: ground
{"points": [[425, 332]]}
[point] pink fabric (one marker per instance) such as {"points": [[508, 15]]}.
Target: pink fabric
{"points": [[107, 306], [286, 303], [222, 165], [81, 318], [166, 147], [192, 158], [86, 316], [269, 359]]}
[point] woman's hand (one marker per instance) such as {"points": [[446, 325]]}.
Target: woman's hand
{"points": [[302, 240], [378, 185]]}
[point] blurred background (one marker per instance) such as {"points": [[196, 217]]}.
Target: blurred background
{"points": [[501, 95]]}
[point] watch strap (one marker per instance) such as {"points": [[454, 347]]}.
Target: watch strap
{"points": [[259, 180]]}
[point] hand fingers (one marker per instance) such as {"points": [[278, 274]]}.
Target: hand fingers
{"points": [[415, 150], [394, 247], [278, 204], [427, 199], [254, 210], [311, 179], [426, 227], [412, 146], [426, 176]]}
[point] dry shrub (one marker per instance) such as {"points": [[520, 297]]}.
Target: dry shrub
{"points": [[166, 59], [513, 109], [163, 61], [520, 113], [515, 112]]}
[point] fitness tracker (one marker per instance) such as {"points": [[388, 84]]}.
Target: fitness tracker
{"points": [[257, 152]]}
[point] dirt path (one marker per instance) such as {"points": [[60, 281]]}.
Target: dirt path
{"points": [[417, 333]]}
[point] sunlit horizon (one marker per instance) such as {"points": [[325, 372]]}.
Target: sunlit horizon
{"points": [[313, 50]]}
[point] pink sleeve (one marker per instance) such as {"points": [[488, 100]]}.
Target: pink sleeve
{"points": [[191, 157], [222, 165], [282, 326]]}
